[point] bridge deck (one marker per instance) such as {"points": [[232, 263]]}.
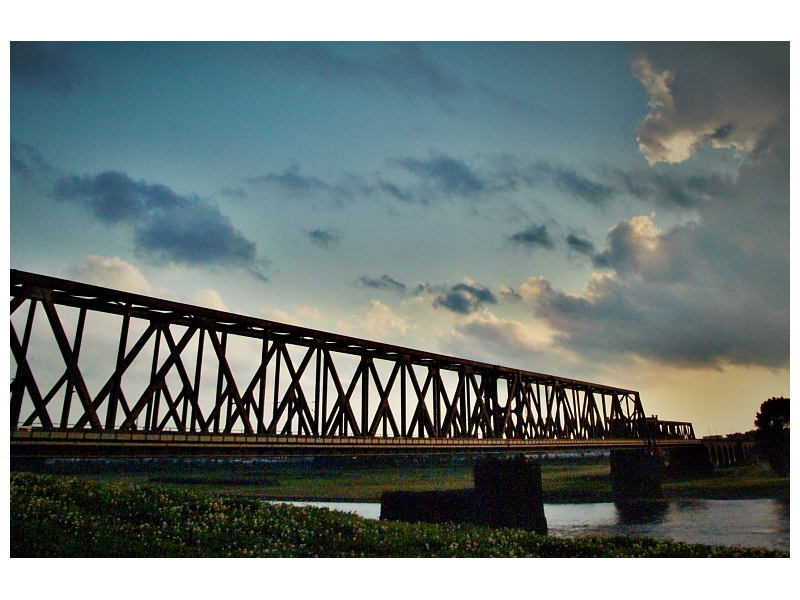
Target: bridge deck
{"points": [[43, 443]]}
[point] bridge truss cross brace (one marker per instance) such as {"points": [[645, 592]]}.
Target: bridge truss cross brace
{"points": [[141, 364]]}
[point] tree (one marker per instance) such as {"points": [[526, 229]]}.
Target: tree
{"points": [[772, 432]]}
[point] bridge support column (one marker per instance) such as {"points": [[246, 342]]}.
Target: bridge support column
{"points": [[635, 475], [689, 461], [507, 493]]}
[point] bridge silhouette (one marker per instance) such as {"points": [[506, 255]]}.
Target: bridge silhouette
{"points": [[101, 372]]}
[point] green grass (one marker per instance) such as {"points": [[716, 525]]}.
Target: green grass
{"points": [[561, 482], [72, 517]]}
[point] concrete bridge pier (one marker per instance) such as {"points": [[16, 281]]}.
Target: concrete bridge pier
{"points": [[635, 475], [636, 478], [688, 461], [507, 493]]}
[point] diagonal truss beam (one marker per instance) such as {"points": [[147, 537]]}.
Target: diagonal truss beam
{"points": [[488, 401]]}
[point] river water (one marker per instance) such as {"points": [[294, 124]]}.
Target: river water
{"points": [[756, 523]]}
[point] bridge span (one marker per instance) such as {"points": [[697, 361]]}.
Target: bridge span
{"points": [[101, 372]]}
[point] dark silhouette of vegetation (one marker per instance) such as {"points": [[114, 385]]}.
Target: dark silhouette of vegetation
{"points": [[772, 432]]}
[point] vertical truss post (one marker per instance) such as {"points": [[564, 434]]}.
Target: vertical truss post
{"points": [[403, 368], [113, 398], [76, 350], [153, 371], [324, 415], [365, 360], [262, 384], [317, 374], [437, 411], [196, 416], [18, 385]]}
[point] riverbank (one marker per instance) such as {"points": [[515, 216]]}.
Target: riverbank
{"points": [[565, 483], [73, 517], [578, 480]]}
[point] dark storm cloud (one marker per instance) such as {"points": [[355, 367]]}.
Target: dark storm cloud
{"points": [[401, 67], [48, 66], [568, 180], [167, 227], [383, 283], [687, 328], [438, 176], [463, 298], [532, 237], [450, 175], [580, 245], [291, 181], [296, 185], [324, 238], [671, 191], [705, 293], [721, 94], [27, 161], [394, 191]]}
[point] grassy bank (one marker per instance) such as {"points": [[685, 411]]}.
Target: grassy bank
{"points": [[71, 517], [580, 480], [561, 483]]}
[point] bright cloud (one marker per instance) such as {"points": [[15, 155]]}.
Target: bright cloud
{"points": [[376, 320], [725, 96], [112, 272]]}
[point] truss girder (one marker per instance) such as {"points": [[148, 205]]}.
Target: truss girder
{"points": [[292, 381]]}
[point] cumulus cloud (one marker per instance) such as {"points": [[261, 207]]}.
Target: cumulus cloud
{"points": [[383, 283], [115, 273], [278, 316], [47, 66], [713, 291], [112, 272], [532, 237], [705, 293], [167, 227], [637, 247], [375, 320], [483, 336], [324, 238], [462, 298], [724, 95], [210, 299]]}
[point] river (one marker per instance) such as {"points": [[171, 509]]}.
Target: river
{"points": [[756, 523]]}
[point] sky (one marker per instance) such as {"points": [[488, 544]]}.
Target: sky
{"points": [[610, 212]]}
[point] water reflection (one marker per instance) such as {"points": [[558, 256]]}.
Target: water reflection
{"points": [[763, 523], [641, 512]]}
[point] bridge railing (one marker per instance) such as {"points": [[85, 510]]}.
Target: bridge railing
{"points": [[91, 358]]}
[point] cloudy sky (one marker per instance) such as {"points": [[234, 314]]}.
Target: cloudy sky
{"points": [[617, 213]]}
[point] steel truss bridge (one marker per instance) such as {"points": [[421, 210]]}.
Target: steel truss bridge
{"points": [[100, 372]]}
